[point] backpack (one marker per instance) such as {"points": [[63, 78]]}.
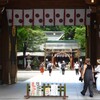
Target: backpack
{"points": [[49, 66], [62, 66]]}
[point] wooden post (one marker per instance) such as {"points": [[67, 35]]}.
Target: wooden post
{"points": [[4, 52], [45, 55], [27, 91], [43, 89], [13, 53], [93, 40], [60, 89], [64, 97]]}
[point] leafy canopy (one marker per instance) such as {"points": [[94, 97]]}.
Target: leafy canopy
{"points": [[34, 36]]}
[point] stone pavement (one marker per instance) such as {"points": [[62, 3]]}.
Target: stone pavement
{"points": [[18, 91]]}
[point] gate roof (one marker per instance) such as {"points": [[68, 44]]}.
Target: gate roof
{"points": [[61, 45]]}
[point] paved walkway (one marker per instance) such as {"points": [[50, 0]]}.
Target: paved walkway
{"points": [[74, 86]]}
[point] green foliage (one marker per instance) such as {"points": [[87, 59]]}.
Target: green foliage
{"points": [[21, 37], [69, 32], [35, 63], [33, 36], [80, 36]]}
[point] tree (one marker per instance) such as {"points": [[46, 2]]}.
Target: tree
{"points": [[69, 32], [32, 37], [80, 36], [21, 38], [35, 63], [35, 39]]}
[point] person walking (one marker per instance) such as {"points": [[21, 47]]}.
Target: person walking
{"points": [[76, 66], [88, 78], [81, 65], [59, 65], [97, 69], [42, 67], [96, 74], [49, 67], [63, 65]]}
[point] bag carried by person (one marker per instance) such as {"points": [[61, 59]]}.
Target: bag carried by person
{"points": [[80, 79]]}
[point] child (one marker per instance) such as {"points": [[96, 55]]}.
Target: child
{"points": [[42, 67]]}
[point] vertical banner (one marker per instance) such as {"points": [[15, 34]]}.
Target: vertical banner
{"points": [[38, 17], [28, 17], [54, 90], [35, 89], [18, 18], [9, 16], [69, 17], [49, 17], [32, 88], [80, 16], [47, 91], [59, 16], [87, 16]]}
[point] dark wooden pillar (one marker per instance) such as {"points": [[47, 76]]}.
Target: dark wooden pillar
{"points": [[93, 40], [4, 49], [87, 42], [98, 34], [0, 47], [93, 37], [13, 53], [8, 52]]}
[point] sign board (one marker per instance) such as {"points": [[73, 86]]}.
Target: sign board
{"points": [[47, 89]]}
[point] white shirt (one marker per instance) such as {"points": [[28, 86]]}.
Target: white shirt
{"points": [[76, 66], [50, 65], [97, 69]]}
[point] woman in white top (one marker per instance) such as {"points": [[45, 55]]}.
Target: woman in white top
{"points": [[97, 69]]}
